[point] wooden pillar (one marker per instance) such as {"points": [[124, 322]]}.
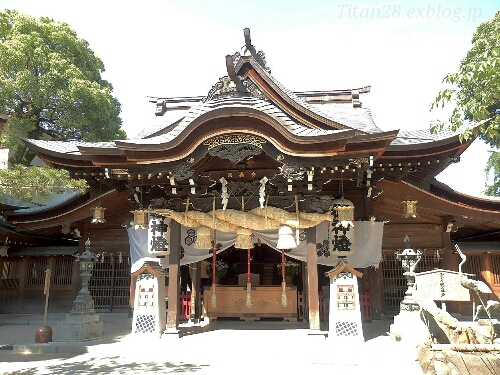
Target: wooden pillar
{"points": [[173, 277], [447, 262], [305, 305], [486, 271], [376, 291], [312, 279], [194, 273]]}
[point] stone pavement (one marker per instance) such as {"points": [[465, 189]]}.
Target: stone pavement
{"points": [[214, 348]]}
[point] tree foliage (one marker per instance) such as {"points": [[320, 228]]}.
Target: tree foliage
{"points": [[36, 184], [475, 92], [51, 85]]}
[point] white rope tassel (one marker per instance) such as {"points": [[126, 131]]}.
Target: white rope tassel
{"points": [[249, 294], [224, 194], [284, 300], [262, 191]]}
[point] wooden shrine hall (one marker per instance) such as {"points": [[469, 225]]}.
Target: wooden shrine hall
{"points": [[217, 182]]}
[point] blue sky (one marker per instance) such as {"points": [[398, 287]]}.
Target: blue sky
{"points": [[176, 48]]}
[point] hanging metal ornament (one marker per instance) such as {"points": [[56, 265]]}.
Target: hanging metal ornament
{"points": [[98, 215], [140, 219], [410, 208]]}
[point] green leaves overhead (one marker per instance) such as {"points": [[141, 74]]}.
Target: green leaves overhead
{"points": [[475, 88], [36, 184], [475, 92], [51, 85]]}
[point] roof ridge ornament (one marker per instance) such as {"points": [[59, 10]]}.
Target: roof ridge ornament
{"points": [[233, 85], [249, 50]]}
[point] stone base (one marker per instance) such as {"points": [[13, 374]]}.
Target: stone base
{"points": [[79, 327], [171, 334], [409, 328]]}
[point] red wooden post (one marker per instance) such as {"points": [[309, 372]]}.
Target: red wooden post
{"points": [[283, 264]]}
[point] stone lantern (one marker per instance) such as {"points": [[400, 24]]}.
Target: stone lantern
{"points": [[408, 326], [82, 323], [409, 259]]}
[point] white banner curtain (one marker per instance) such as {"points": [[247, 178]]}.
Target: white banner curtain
{"points": [[367, 252]]}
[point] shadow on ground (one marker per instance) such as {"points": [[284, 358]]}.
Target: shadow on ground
{"points": [[110, 365]]}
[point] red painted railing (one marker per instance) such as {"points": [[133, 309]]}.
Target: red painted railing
{"points": [[185, 305]]}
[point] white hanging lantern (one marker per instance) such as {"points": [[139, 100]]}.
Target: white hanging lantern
{"points": [[286, 240]]}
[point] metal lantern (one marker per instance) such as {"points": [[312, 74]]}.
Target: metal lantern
{"points": [[345, 211], [140, 219], [410, 208], [3, 250], [98, 217]]}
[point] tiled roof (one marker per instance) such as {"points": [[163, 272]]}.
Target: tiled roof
{"points": [[358, 118], [413, 137], [260, 105], [159, 123], [301, 101], [68, 148]]}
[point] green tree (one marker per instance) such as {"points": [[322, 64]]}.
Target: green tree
{"points": [[475, 91], [28, 184], [50, 88], [51, 85]]}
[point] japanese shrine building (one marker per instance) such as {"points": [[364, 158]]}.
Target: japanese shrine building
{"points": [[229, 161]]}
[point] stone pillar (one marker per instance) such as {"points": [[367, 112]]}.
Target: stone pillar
{"points": [[312, 280], [345, 312], [173, 278], [408, 327], [149, 301], [82, 323]]}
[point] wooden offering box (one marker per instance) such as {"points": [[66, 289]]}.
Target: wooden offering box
{"points": [[266, 303]]}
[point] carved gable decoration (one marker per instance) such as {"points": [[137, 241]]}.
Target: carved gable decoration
{"points": [[235, 147], [182, 171], [227, 88]]}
